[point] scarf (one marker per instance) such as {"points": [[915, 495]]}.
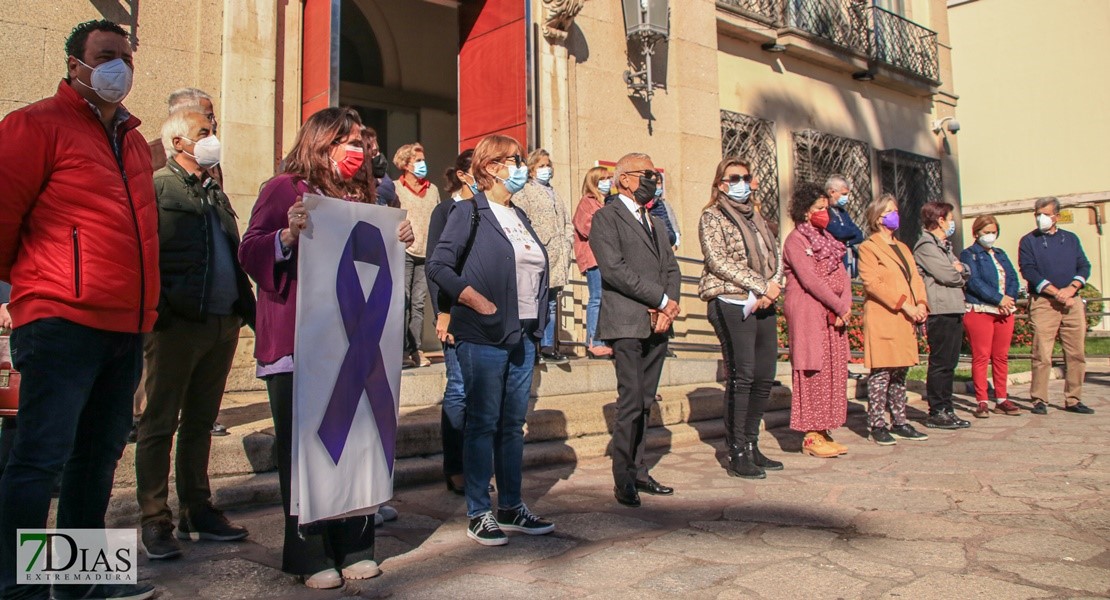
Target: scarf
{"points": [[762, 250], [825, 249]]}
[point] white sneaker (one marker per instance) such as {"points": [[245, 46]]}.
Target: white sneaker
{"points": [[363, 569], [324, 580]]}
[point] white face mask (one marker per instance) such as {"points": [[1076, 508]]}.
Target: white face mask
{"points": [[544, 174], [1044, 222], [206, 151], [987, 240], [111, 80]]}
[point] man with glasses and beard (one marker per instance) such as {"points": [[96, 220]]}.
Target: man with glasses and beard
{"points": [[639, 301]]}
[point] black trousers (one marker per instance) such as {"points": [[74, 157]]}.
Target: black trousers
{"points": [[750, 350], [639, 363], [945, 334], [332, 544]]}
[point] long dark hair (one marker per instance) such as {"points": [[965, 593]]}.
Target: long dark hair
{"points": [[364, 177], [310, 156]]}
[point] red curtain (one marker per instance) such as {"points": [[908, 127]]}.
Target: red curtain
{"points": [[492, 71]]}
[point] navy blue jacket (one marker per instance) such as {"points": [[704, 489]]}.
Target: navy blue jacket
{"points": [[982, 283], [843, 229], [490, 269], [440, 302], [387, 192], [659, 209], [1057, 259]]}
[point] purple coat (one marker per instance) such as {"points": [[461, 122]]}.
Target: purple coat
{"points": [[809, 300], [277, 281]]}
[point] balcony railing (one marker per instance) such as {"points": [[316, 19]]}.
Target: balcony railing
{"points": [[855, 25], [901, 43]]}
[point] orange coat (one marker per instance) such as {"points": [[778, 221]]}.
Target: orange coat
{"points": [[889, 337]]}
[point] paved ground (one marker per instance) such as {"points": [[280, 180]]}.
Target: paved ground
{"points": [[1015, 507]]}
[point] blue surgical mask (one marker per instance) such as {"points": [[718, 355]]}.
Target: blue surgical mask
{"points": [[544, 174], [420, 169], [518, 176], [604, 186], [474, 188], [951, 231], [739, 191], [842, 201], [659, 192]]}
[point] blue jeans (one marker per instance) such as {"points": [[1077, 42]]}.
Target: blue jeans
{"points": [[75, 405], [548, 340], [453, 416], [498, 381], [593, 306]]}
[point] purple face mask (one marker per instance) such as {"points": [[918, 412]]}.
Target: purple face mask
{"points": [[891, 221]]}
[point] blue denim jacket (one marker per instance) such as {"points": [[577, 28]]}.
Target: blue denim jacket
{"points": [[982, 286]]}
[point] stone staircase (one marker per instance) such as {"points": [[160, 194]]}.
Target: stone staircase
{"points": [[573, 406]]}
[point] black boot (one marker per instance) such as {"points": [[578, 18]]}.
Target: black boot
{"points": [[741, 463], [762, 461]]}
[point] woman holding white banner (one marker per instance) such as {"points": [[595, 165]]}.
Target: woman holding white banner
{"points": [[493, 267], [326, 155]]}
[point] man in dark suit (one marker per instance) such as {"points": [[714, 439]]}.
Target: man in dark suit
{"points": [[639, 301]]}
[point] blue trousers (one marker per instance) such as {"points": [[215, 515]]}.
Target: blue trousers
{"points": [[593, 305], [453, 413], [498, 381], [75, 404]]}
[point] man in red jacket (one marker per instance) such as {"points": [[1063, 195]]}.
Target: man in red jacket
{"points": [[79, 244]]}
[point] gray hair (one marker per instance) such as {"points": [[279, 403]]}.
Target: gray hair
{"points": [[834, 182], [177, 125], [1049, 201], [623, 164], [189, 96]]}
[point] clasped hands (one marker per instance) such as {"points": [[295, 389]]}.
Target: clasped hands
{"points": [[667, 315]]}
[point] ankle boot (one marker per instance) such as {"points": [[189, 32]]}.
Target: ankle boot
{"points": [[741, 463], [762, 461]]}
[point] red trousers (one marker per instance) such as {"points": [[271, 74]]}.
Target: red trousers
{"points": [[990, 337]]}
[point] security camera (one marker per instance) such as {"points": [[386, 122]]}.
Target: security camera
{"points": [[953, 125]]}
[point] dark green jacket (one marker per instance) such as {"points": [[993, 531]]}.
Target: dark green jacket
{"points": [[185, 245]]}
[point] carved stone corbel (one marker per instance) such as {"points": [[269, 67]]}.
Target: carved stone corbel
{"points": [[559, 16]]}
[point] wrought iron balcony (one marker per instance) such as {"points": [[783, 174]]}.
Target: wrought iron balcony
{"points": [[855, 25], [901, 43]]}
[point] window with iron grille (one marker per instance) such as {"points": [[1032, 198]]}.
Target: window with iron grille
{"points": [[753, 140], [818, 155], [914, 180]]}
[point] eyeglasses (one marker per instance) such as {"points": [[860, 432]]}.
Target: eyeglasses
{"points": [[515, 158], [736, 178]]}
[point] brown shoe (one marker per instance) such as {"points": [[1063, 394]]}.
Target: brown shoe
{"points": [[814, 444], [982, 412], [840, 448], [1007, 408]]}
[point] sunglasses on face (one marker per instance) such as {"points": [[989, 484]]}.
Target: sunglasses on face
{"points": [[655, 176], [736, 178], [514, 160]]}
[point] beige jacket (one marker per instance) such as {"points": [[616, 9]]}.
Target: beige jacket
{"points": [[550, 221], [726, 268]]}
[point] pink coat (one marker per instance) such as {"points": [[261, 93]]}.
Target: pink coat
{"points": [[809, 300]]}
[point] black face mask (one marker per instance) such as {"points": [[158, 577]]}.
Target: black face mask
{"points": [[379, 164], [646, 192]]}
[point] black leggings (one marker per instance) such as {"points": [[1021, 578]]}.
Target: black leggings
{"points": [[330, 544], [750, 351]]}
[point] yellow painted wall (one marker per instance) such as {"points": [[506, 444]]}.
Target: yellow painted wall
{"points": [[1034, 83]]}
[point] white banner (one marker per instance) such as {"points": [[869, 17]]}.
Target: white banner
{"points": [[347, 357]]}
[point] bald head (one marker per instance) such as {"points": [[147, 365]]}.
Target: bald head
{"points": [[627, 171]]}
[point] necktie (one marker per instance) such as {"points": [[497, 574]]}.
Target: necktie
{"points": [[646, 224]]}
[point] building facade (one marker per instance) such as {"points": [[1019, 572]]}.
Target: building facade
{"points": [[1035, 122], [802, 88]]}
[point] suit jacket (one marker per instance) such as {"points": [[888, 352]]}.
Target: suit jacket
{"points": [[635, 271]]}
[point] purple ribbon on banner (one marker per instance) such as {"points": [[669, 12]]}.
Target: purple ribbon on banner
{"points": [[362, 369]]}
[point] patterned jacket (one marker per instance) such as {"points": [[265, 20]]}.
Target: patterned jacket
{"points": [[726, 268], [553, 227]]}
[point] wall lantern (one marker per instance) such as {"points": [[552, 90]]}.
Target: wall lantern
{"points": [[646, 22]]}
